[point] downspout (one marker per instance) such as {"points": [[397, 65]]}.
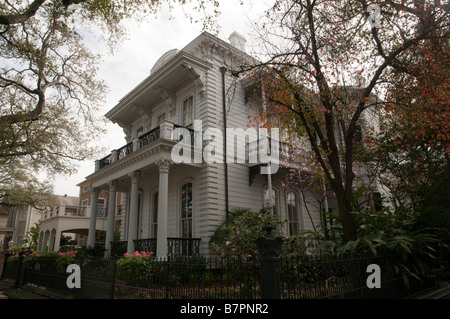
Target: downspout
{"points": [[224, 70]]}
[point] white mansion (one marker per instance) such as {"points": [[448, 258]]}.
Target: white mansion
{"points": [[176, 207]]}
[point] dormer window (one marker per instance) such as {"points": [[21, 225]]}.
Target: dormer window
{"points": [[188, 109]]}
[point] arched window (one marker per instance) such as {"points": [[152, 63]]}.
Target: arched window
{"points": [[186, 210], [188, 110], [292, 210]]}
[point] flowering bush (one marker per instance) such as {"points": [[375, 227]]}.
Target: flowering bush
{"points": [[64, 259], [136, 265], [13, 259], [28, 257]]}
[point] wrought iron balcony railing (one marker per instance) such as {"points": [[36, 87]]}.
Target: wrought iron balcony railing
{"points": [[142, 141]]}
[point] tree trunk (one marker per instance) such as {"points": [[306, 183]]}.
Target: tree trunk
{"points": [[348, 222]]}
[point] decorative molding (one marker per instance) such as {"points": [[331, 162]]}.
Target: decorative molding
{"points": [[164, 165], [200, 78], [112, 184], [169, 96], [95, 191], [134, 176], [126, 127], [148, 121]]}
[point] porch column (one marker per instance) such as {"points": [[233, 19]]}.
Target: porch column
{"points": [[134, 209], [163, 199], [93, 218], [111, 213]]}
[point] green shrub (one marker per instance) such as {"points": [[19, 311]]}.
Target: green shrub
{"points": [[136, 266], [236, 237]]}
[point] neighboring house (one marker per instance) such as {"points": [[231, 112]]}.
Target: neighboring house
{"points": [[15, 223], [64, 217], [102, 199], [71, 218]]}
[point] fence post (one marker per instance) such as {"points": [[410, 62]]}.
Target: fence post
{"points": [[3, 257], [19, 275], [269, 257]]}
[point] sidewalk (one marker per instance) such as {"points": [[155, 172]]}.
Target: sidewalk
{"points": [[434, 293], [4, 286], [7, 291]]}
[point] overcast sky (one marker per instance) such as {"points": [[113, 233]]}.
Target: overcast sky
{"points": [[132, 61]]}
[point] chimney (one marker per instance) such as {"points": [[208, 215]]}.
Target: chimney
{"points": [[237, 40]]}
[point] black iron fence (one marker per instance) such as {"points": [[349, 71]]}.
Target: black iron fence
{"points": [[351, 277], [309, 277], [266, 275], [179, 278]]}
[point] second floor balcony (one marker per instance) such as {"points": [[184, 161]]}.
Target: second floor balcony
{"points": [[162, 132]]}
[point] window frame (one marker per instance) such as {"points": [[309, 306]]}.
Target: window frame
{"points": [[296, 213], [154, 214], [184, 219], [182, 113]]}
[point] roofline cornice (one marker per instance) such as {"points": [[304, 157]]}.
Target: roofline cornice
{"points": [[180, 59]]}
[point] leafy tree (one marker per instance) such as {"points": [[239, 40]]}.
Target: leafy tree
{"points": [[49, 88], [326, 65], [412, 149], [32, 236]]}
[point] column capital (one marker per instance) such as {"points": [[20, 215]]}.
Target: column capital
{"points": [[134, 176], [112, 183], [164, 165], [95, 191]]}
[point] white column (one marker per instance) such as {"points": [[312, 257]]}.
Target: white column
{"points": [[111, 213], [134, 209], [163, 199], [93, 218]]}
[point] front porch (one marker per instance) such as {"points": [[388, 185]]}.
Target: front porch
{"points": [[140, 170], [176, 247]]}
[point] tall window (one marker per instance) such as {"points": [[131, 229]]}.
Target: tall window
{"points": [[188, 108], [186, 210], [84, 206], [292, 213], [101, 206], [155, 216]]}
